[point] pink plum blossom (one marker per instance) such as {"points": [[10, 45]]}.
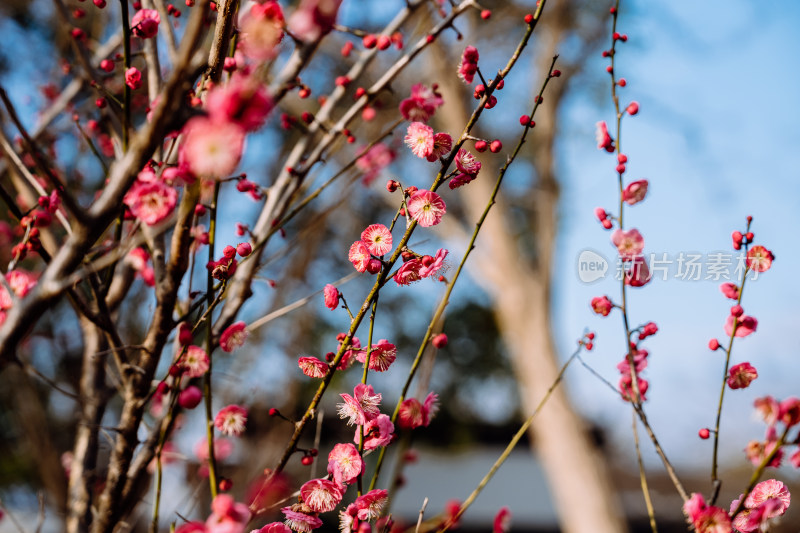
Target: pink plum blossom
{"points": [[629, 243], [421, 105], [426, 207], [359, 256], [261, 25], [20, 283], [414, 413], [151, 202], [730, 290], [344, 463], [433, 266], [768, 489], [635, 192], [361, 407], [331, 295], [378, 239], [194, 362], [637, 273], [740, 376], [790, 411], [705, 518], [233, 337], [377, 432], [442, 143], [713, 520], [419, 137], [759, 259], [231, 420], [466, 162], [745, 325], [769, 499], [602, 305], [144, 23], [321, 495], [243, 101], [694, 506], [409, 272], [313, 367], [212, 148], [227, 515], [371, 504], [604, 140], [381, 356], [313, 19], [502, 521], [273, 527], [192, 527], [300, 518], [768, 408], [133, 78], [468, 167], [410, 414]]}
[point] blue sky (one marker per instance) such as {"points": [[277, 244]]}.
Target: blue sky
{"points": [[717, 139]]}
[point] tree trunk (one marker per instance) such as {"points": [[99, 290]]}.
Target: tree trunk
{"points": [[519, 287]]}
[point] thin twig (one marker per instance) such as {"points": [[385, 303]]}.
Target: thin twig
{"points": [[421, 514], [507, 452], [295, 305], [642, 476]]}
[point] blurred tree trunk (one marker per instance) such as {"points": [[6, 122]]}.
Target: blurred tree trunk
{"points": [[519, 286]]}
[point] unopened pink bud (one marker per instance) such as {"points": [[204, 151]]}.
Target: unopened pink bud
{"points": [[737, 310], [374, 266], [229, 65], [185, 334], [244, 249], [439, 341], [369, 41], [632, 108], [600, 213], [190, 397], [384, 42]]}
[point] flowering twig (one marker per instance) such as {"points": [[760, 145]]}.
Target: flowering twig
{"points": [[765, 462], [212, 231], [470, 246], [642, 477], [288, 181], [717, 483]]}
